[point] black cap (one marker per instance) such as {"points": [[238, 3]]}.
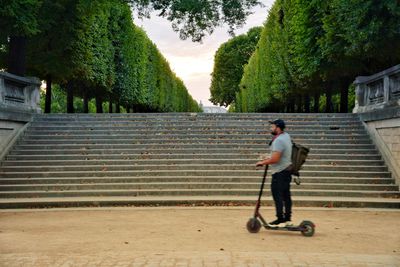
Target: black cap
{"points": [[279, 123]]}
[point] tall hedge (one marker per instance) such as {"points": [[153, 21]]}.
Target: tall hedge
{"points": [[309, 52], [92, 49]]}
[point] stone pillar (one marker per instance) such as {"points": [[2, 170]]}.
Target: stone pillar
{"points": [[19, 101], [19, 94], [386, 89]]}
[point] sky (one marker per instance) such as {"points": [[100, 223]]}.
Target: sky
{"points": [[193, 62]]}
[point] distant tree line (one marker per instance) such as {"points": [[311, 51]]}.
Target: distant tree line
{"points": [[308, 54], [91, 50], [229, 61]]}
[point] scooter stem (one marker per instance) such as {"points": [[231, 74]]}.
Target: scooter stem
{"points": [[261, 192]]}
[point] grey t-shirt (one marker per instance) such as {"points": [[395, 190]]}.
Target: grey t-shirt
{"points": [[283, 144]]}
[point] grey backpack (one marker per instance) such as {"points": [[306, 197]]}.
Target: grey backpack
{"points": [[299, 155]]}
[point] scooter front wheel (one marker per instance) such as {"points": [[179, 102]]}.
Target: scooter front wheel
{"points": [[253, 225]]}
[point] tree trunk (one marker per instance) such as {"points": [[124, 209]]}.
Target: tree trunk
{"points": [[47, 105], [70, 98], [99, 104], [118, 107], [110, 106], [307, 104], [316, 102], [329, 104], [344, 98], [17, 55], [85, 102], [299, 105], [290, 107]]}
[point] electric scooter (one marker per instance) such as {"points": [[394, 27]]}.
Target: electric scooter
{"points": [[307, 228]]}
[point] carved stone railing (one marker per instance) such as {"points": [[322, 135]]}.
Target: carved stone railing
{"points": [[378, 91], [19, 94]]}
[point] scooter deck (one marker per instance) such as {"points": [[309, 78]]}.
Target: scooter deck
{"points": [[283, 228]]}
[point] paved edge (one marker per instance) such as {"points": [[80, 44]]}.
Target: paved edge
{"points": [[73, 209]]}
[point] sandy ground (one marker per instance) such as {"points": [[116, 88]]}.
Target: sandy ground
{"points": [[193, 230]]}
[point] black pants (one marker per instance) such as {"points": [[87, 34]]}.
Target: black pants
{"points": [[280, 187]]}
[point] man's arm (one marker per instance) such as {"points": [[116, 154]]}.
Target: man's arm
{"points": [[275, 158]]}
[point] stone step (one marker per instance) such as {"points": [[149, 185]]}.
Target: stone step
{"points": [[143, 121], [188, 159], [266, 116], [191, 185], [210, 145], [199, 123], [156, 172], [190, 133], [116, 135], [198, 116], [189, 167], [66, 162], [340, 124], [198, 120], [298, 201], [191, 114], [78, 157], [189, 136], [194, 192], [194, 128], [203, 150], [188, 179], [264, 141]]}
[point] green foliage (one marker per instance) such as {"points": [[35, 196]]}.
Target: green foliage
{"points": [[261, 86], [19, 17], [310, 47], [59, 101], [196, 18], [47, 53], [361, 35], [352, 97], [229, 61], [26, 18], [127, 42], [94, 47], [304, 28]]}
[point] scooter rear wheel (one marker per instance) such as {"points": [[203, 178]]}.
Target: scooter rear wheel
{"points": [[253, 225], [307, 228]]}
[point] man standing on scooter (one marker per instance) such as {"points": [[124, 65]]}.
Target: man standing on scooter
{"points": [[280, 163]]}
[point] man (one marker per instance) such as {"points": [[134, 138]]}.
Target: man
{"points": [[280, 163]]}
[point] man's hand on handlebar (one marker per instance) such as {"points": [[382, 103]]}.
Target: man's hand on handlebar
{"points": [[259, 164]]}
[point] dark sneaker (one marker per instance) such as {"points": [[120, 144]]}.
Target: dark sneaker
{"points": [[278, 223]]}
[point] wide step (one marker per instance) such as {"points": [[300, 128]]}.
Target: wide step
{"points": [[74, 160]]}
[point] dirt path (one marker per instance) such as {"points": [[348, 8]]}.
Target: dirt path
{"points": [[45, 235]]}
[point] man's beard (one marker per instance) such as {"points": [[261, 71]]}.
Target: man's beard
{"points": [[273, 133]]}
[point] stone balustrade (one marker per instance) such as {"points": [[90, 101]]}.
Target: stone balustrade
{"points": [[378, 106], [19, 94], [378, 91]]}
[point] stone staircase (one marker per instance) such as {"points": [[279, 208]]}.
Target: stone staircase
{"points": [[65, 160]]}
